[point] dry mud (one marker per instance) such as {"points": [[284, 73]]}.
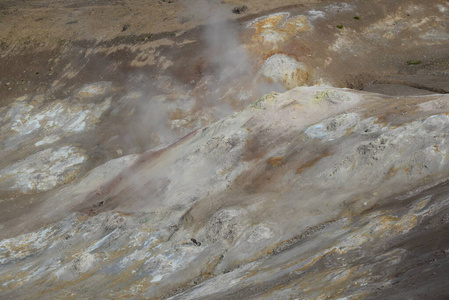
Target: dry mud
{"points": [[173, 149]]}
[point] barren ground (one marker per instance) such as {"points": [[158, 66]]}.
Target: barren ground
{"points": [[157, 149]]}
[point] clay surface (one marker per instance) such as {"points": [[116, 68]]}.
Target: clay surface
{"points": [[195, 150]]}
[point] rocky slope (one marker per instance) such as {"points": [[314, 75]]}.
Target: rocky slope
{"points": [[317, 192], [206, 155]]}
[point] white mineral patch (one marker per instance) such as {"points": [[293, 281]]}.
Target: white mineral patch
{"points": [[316, 131], [47, 140], [99, 243], [442, 8], [339, 7], [24, 245], [342, 43], [284, 69], [333, 128], [259, 232], [272, 36], [315, 14], [435, 35], [18, 115], [85, 262], [299, 22], [53, 120], [156, 278], [171, 261], [95, 89], [42, 171]]}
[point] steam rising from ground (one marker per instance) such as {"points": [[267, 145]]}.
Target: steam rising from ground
{"points": [[224, 48], [164, 109], [158, 109], [228, 54]]}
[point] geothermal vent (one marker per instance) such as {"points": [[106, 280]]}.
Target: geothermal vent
{"points": [[202, 149]]}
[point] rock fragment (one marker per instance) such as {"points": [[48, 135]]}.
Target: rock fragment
{"points": [[240, 9]]}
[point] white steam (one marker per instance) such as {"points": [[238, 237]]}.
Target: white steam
{"points": [[168, 110]]}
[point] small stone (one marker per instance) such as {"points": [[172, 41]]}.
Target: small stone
{"points": [[119, 151], [7, 84], [240, 9], [195, 242], [125, 27]]}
